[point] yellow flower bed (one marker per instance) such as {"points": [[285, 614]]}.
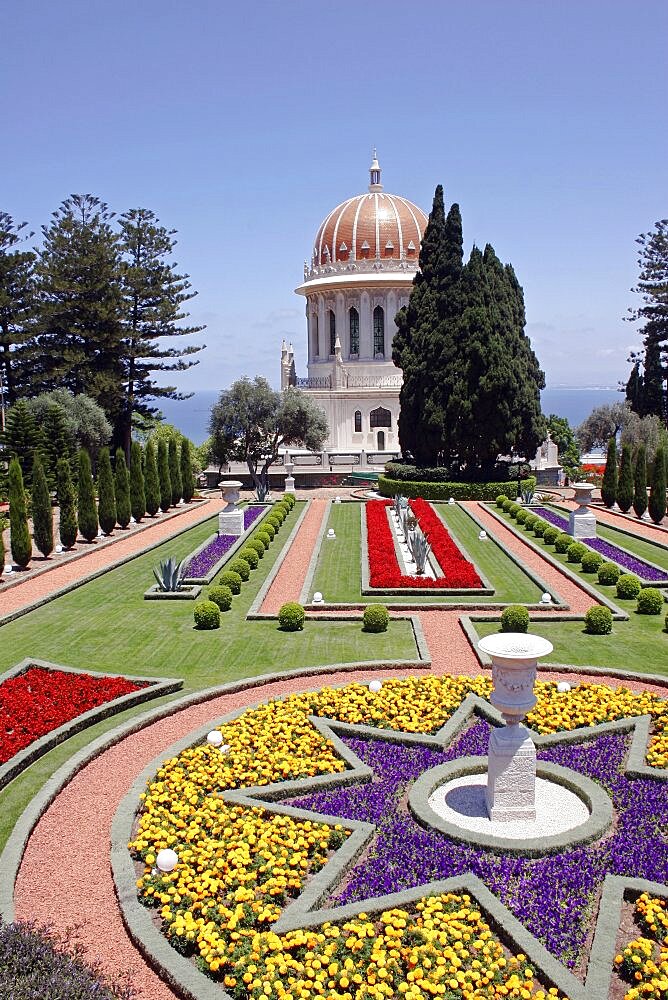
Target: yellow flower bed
{"points": [[239, 866], [644, 961]]}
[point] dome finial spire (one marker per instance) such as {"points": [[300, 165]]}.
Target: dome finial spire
{"points": [[374, 173]]}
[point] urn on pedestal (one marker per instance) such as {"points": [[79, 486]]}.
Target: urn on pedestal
{"points": [[230, 520]]}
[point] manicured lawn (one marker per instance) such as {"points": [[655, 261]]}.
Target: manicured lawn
{"points": [[639, 644], [106, 625], [338, 574]]}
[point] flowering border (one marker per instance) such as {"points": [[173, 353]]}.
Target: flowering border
{"points": [[436, 586], [229, 553], [303, 912], [154, 687]]}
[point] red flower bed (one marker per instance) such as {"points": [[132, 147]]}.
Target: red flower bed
{"points": [[38, 701], [383, 566]]}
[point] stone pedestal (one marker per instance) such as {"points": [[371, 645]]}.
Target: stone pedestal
{"points": [[581, 522], [231, 523], [511, 775], [511, 766]]}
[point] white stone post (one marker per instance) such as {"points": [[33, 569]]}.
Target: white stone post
{"points": [[581, 522], [289, 479], [511, 767]]}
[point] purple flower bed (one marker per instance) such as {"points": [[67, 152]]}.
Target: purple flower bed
{"points": [[205, 560], [609, 551], [555, 896]]}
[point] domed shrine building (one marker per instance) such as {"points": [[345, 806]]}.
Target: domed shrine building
{"points": [[364, 258]]}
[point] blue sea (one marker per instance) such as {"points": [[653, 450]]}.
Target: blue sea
{"points": [[191, 416]]}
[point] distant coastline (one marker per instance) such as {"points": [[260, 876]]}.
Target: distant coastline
{"points": [[191, 416]]}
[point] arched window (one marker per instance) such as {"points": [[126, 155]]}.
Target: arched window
{"points": [[358, 422], [314, 327], [380, 417], [354, 327], [332, 331], [381, 440], [378, 332]]}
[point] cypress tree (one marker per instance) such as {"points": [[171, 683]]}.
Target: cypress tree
{"points": [[163, 476], [625, 482], [67, 528], [137, 494], [42, 514], [20, 540], [187, 478], [122, 489], [174, 472], [609, 484], [151, 481], [640, 482], [86, 508], [2, 546], [106, 495], [657, 497]]}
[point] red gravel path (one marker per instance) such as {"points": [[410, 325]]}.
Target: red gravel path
{"points": [[289, 580], [38, 587]]}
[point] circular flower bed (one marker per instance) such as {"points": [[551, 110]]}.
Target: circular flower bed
{"points": [[239, 866]]}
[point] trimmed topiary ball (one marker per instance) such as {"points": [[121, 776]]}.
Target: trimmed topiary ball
{"points": [[530, 520], [239, 566], [591, 561], [521, 515], [563, 542], [539, 527], [259, 546], [665, 624], [222, 596], [507, 504], [250, 556], [291, 617], [575, 552], [650, 601], [263, 536], [550, 534], [207, 615], [628, 586], [230, 579], [608, 573], [514, 618], [269, 529], [376, 618], [513, 509], [500, 500], [274, 520], [598, 620]]}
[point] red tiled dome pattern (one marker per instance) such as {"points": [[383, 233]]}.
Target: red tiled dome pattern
{"points": [[372, 226]]}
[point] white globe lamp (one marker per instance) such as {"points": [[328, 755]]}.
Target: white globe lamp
{"points": [[167, 860]]}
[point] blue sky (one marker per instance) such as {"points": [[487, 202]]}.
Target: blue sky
{"points": [[241, 126]]}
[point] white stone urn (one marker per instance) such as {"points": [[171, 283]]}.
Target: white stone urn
{"points": [[230, 491], [511, 767], [581, 522], [289, 478]]}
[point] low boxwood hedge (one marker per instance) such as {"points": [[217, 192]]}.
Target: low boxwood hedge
{"points": [[650, 601], [388, 487]]}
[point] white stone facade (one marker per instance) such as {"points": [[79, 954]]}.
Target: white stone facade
{"points": [[360, 275]]}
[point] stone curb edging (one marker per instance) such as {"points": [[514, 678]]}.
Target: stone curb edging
{"points": [[315, 555], [75, 584], [557, 602], [435, 506], [617, 612], [186, 592], [258, 600], [301, 913], [156, 687], [11, 856], [103, 542], [645, 582], [593, 796], [206, 580]]}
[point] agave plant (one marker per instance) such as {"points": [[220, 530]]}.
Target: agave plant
{"points": [[420, 549], [169, 574], [528, 496]]}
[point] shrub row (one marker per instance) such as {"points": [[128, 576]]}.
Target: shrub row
{"points": [[238, 570], [291, 618], [427, 490]]}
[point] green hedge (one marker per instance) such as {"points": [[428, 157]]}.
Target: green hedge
{"points": [[443, 491]]}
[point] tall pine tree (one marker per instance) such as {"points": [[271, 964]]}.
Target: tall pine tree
{"points": [[137, 492], [625, 481], [19, 532], [174, 471], [657, 496], [21, 438], [42, 513], [86, 506], [647, 392], [609, 483], [187, 478], [122, 489], [17, 305], [154, 295], [163, 476], [79, 331]]}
